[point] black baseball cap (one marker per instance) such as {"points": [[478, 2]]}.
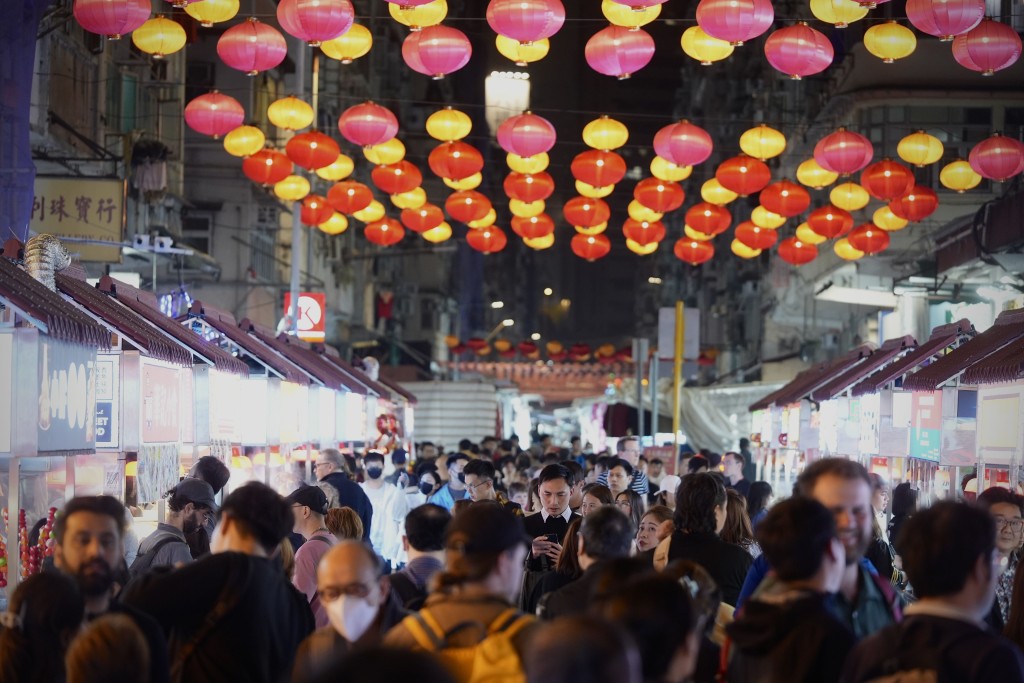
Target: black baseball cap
{"points": [[485, 527], [312, 497], [197, 491]]}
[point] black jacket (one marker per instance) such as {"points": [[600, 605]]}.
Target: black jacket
{"points": [[727, 563], [350, 494]]}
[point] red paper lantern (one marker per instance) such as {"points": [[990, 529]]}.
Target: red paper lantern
{"points": [[618, 51], [916, 205], [598, 168], [785, 198], [693, 252], [755, 237], [945, 18], [397, 178], [467, 206], [252, 47], [526, 134], [797, 253], [586, 212], [644, 232], [312, 150], [997, 158], [887, 179], [455, 160], [349, 196], [830, 221], [315, 21], [869, 238], [367, 124], [590, 247], [709, 219], [315, 210], [427, 217], [799, 51], [843, 152], [743, 175], [659, 196], [267, 167], [487, 240], [214, 114], [526, 347], [529, 187], [112, 18], [384, 232], [534, 227], [683, 143], [436, 51], [735, 21], [527, 21], [987, 48]]}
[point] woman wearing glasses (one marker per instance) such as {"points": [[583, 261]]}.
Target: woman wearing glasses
{"points": [[1007, 509]]}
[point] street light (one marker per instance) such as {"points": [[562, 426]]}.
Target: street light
{"points": [[507, 322], [497, 304], [535, 336], [548, 291]]}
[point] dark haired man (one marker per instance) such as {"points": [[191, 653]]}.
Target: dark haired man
{"points": [[949, 554], [547, 529], [189, 505], [789, 633], [341, 491], [628, 448], [749, 466], [620, 476], [214, 472], [455, 488], [423, 542], [733, 465], [479, 478], [309, 505], [578, 475]]}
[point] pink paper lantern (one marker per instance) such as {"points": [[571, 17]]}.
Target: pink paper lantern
{"points": [[315, 21], [436, 51], [987, 48], [736, 21], [997, 158], [618, 51], [252, 47], [683, 143], [526, 20], [367, 124], [526, 134], [945, 18], [798, 51], [843, 152], [214, 114], [112, 18]]}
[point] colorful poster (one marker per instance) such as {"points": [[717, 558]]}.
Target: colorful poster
{"points": [[67, 396], [925, 425], [959, 428], [161, 409]]}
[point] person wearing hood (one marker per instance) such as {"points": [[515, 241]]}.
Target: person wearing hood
{"points": [[788, 633]]}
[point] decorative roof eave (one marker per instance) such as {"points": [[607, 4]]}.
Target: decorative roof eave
{"points": [[891, 349], [942, 337]]}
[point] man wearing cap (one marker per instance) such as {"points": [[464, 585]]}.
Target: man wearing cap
{"points": [[189, 504], [309, 505]]}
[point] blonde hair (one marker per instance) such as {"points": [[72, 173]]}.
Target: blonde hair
{"points": [[287, 558], [344, 523]]}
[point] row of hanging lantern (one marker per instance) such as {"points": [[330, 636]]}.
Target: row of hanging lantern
{"points": [[555, 350]]}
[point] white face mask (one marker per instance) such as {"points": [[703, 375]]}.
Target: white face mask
{"points": [[350, 616]]}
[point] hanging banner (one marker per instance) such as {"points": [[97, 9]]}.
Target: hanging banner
{"points": [[157, 471], [925, 425], [161, 409], [86, 209], [108, 400], [67, 396]]}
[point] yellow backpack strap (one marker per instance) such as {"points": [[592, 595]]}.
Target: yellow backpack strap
{"points": [[425, 630], [510, 622]]}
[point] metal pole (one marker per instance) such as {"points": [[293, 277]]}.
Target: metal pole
{"points": [[677, 373], [639, 352], [652, 374], [293, 310]]}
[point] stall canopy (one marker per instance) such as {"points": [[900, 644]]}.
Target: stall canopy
{"points": [[1005, 366], [942, 337], [397, 388], [840, 383], [331, 355], [815, 377], [1007, 330]]}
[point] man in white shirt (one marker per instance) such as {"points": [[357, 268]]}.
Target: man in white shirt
{"points": [[389, 509]]}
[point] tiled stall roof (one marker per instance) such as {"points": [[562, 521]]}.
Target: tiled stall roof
{"points": [[942, 337], [889, 350]]}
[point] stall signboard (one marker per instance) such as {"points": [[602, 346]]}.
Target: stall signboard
{"points": [[186, 389], [255, 413], [326, 416], [312, 314], [959, 446], [67, 396], [87, 212], [848, 435], [6, 391], [224, 408], [157, 471], [1001, 424], [667, 333], [161, 408], [351, 417], [108, 400], [293, 410], [925, 425], [870, 420]]}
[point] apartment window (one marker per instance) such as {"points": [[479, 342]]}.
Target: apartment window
{"points": [[197, 231], [262, 254]]}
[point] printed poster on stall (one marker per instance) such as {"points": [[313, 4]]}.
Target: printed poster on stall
{"points": [[161, 410], [108, 377], [959, 428], [925, 425], [67, 396], [157, 471]]}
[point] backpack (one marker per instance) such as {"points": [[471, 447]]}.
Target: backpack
{"points": [[411, 597], [144, 561], [493, 659]]}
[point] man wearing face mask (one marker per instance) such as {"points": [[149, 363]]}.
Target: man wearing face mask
{"points": [[389, 509], [309, 505], [455, 489], [189, 505], [359, 607]]}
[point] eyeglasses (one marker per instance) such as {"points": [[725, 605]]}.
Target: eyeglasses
{"points": [[332, 593], [623, 504], [1013, 525], [474, 487]]}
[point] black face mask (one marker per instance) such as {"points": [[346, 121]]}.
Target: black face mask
{"points": [[374, 472], [426, 488], [462, 477]]}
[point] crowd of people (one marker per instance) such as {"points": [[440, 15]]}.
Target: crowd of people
{"points": [[547, 565]]}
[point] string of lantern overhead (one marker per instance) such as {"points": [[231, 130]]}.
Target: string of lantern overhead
{"points": [[524, 29]]}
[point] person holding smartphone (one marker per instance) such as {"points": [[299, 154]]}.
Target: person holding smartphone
{"points": [[547, 529]]}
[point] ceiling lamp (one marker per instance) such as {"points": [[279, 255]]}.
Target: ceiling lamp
{"points": [[371, 214], [920, 149], [808, 236], [641, 249], [586, 212], [663, 169], [590, 247], [367, 124], [243, 140], [485, 222], [743, 175], [413, 199], [350, 46], [713, 193], [390, 152], [336, 224], [312, 150], [588, 190], [785, 198], [830, 221], [606, 133], [529, 188], [290, 113], [683, 143], [840, 13], [418, 18], [811, 174], [526, 134], [252, 47], [658, 195], [267, 167], [441, 233], [799, 51], [522, 54], [525, 209], [540, 243], [397, 178], [764, 218], [384, 232], [214, 114], [594, 230], [292, 189], [735, 21], [696, 234], [467, 205], [890, 41], [754, 236], [619, 52], [112, 18], [693, 252], [349, 196], [916, 205], [620, 14], [159, 37], [959, 176], [448, 125], [526, 21], [884, 218], [339, 169], [945, 18], [427, 217], [704, 48], [843, 151], [763, 142], [869, 239], [796, 252], [315, 21], [644, 232], [598, 168], [846, 251], [455, 160], [989, 47], [708, 218], [639, 212], [886, 180], [315, 210], [210, 12], [436, 51], [849, 196], [487, 240], [533, 227]]}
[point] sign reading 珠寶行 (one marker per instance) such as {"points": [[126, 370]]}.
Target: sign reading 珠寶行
{"points": [[86, 209]]}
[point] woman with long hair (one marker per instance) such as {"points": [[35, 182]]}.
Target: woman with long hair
{"points": [[758, 501], [738, 530], [44, 615], [594, 496], [655, 526], [632, 505]]}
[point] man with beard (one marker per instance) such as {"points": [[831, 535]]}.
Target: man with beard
{"points": [[189, 505], [90, 547]]}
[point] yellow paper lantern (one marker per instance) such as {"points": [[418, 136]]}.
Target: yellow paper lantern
{"points": [[210, 12], [663, 169], [618, 14], [422, 16], [448, 125], [593, 230], [290, 113], [350, 45], [540, 243], [841, 13], [526, 209], [704, 48], [413, 199], [846, 251], [697, 235], [642, 249], [606, 133], [849, 196], [959, 176], [292, 189], [743, 251], [390, 152], [339, 169], [885, 219], [641, 213], [527, 165], [159, 37], [438, 234], [244, 140], [373, 212], [763, 142], [920, 149], [811, 174], [890, 41], [808, 236], [336, 224], [713, 193], [485, 222], [468, 183], [522, 53], [591, 192], [765, 219]]}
